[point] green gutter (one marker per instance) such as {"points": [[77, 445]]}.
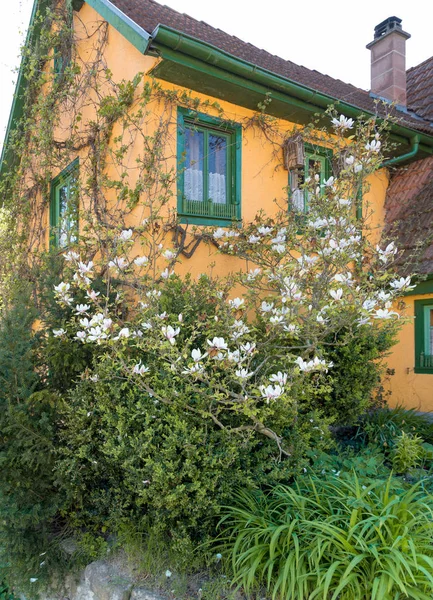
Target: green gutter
{"points": [[398, 159], [164, 37], [124, 25]]}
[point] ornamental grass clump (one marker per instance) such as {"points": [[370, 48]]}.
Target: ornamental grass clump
{"points": [[333, 539]]}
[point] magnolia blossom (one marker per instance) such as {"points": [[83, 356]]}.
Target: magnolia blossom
{"points": [[253, 239], [389, 251], [169, 254], [401, 284], [123, 333], [219, 233], [266, 306], [253, 274], [96, 334], [140, 369], [217, 344], [71, 256], [236, 303], [243, 373], [62, 288], [234, 356], [125, 235], [336, 294], [385, 314], [170, 333], [349, 160], [271, 392], [166, 274], [81, 335], [84, 268], [141, 260], [329, 182], [92, 294], [82, 308], [344, 278], [342, 123], [373, 146], [316, 364], [58, 332], [280, 378], [118, 263], [279, 248], [264, 230], [197, 355]]}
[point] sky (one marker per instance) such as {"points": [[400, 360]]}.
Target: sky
{"points": [[328, 36]]}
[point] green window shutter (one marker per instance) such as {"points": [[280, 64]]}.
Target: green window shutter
{"points": [[317, 160], [209, 169], [424, 336], [64, 207]]}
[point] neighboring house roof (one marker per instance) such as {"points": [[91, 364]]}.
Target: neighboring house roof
{"points": [[409, 215], [148, 14], [420, 89]]}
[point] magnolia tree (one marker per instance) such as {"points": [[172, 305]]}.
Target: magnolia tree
{"points": [[254, 349]]}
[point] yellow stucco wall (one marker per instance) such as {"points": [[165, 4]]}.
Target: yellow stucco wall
{"points": [[262, 182], [414, 390]]}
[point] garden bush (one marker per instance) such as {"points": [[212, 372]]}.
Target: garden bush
{"points": [[344, 538]]}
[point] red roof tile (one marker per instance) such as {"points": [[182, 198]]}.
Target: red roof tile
{"points": [[409, 214], [420, 89], [149, 14]]}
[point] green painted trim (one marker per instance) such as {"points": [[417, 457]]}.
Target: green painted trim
{"points": [[56, 183], [166, 38], [234, 131], [420, 332], [402, 158], [322, 155], [423, 287], [135, 34]]}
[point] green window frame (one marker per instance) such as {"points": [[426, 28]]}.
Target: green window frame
{"points": [[314, 156], [424, 336], [209, 169], [64, 207]]}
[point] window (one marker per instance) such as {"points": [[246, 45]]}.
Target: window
{"points": [[209, 160], [64, 207], [316, 160], [424, 336]]}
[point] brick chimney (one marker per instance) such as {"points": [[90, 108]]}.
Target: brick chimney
{"points": [[388, 61]]}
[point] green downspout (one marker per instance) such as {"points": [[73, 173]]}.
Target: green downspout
{"points": [[415, 140]]}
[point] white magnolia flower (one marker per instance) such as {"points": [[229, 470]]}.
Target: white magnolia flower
{"points": [[195, 368], [141, 260], [248, 347], [236, 303], [401, 284], [253, 239], [383, 296], [169, 254], [168, 573], [316, 364], [166, 274], [342, 123], [170, 333], [336, 294], [81, 335], [344, 202], [58, 332], [92, 294], [217, 344], [219, 233], [146, 325], [234, 356], [125, 235], [276, 319], [84, 268], [197, 355], [123, 333], [373, 146], [140, 369], [118, 263], [291, 328], [264, 230], [71, 256], [96, 334], [385, 314], [62, 288], [82, 308], [253, 274], [329, 182], [279, 248], [357, 167], [243, 374], [271, 392], [349, 160], [344, 278], [267, 306], [280, 378]]}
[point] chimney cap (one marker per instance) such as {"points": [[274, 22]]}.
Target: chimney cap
{"points": [[385, 28], [389, 24]]}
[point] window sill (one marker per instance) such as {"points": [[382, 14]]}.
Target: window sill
{"points": [[207, 221], [423, 370]]}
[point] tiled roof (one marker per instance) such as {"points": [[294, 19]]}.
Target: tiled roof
{"points": [[409, 214], [420, 89], [148, 14]]}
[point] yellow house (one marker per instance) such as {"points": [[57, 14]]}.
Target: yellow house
{"points": [[228, 171]]}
